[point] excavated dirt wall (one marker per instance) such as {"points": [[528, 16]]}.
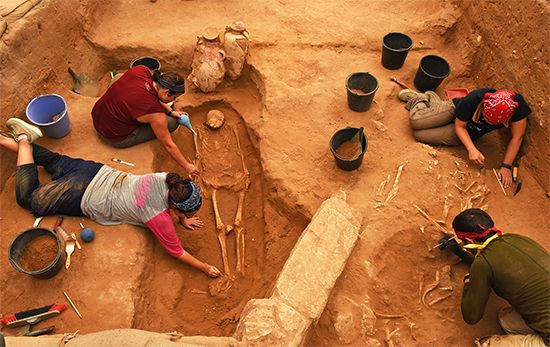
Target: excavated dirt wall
{"points": [[26, 71], [299, 69]]}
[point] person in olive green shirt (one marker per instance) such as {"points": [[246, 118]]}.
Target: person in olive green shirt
{"points": [[514, 266]]}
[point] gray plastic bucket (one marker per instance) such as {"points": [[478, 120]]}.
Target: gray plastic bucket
{"points": [[367, 84], [49, 112], [431, 72], [344, 135], [395, 47], [18, 245], [151, 63]]}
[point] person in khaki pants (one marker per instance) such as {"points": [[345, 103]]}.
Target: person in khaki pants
{"points": [[515, 267], [464, 120]]}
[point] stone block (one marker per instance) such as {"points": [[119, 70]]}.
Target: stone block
{"points": [[318, 258], [270, 322]]}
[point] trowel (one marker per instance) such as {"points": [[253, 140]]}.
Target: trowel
{"points": [[82, 84]]}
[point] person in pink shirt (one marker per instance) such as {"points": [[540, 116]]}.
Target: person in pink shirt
{"points": [[108, 196]]}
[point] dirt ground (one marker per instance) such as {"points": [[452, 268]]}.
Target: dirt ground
{"points": [[286, 106]]}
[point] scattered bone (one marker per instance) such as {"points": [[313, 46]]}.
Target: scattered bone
{"points": [[434, 222], [380, 190], [197, 291], [435, 301], [389, 336], [457, 187], [429, 288], [221, 285], [468, 202], [445, 282], [470, 186], [447, 206], [388, 316], [379, 126], [429, 248], [422, 229], [411, 327], [393, 192], [420, 285]]}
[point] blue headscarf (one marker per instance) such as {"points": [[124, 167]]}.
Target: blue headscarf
{"points": [[193, 201]]}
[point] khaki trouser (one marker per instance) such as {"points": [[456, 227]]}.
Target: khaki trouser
{"points": [[432, 122], [519, 334]]}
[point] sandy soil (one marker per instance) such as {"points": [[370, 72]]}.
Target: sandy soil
{"points": [[286, 106]]}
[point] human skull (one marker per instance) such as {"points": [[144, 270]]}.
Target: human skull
{"points": [[214, 119]]}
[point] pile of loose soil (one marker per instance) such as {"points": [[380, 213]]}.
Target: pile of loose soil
{"points": [[38, 253], [349, 150]]}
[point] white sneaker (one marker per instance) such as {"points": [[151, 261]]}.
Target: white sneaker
{"points": [[407, 94], [19, 127]]}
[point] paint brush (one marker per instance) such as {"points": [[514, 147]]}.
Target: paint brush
{"points": [[123, 162]]}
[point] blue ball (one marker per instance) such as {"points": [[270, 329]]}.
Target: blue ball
{"points": [[87, 235]]}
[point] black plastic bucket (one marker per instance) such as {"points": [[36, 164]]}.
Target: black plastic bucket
{"points": [[361, 87], [151, 63], [18, 245], [344, 135], [395, 47], [431, 72]]}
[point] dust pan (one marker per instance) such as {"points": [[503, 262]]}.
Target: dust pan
{"points": [[82, 84], [453, 93]]}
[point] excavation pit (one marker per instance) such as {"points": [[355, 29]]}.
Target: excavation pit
{"points": [[285, 106]]}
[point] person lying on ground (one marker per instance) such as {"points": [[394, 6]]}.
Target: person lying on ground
{"points": [[135, 109], [514, 266], [106, 195], [464, 120]]}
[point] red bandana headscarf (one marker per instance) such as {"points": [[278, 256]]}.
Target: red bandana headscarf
{"points": [[477, 236], [498, 107]]}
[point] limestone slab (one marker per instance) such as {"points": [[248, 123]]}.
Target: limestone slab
{"points": [[318, 258], [271, 322]]}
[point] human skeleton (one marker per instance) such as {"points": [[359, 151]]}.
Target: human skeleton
{"points": [[237, 183]]}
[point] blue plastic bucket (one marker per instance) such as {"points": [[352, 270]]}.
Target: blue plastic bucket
{"points": [[50, 113]]}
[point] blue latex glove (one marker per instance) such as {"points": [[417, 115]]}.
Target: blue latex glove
{"points": [[184, 120]]}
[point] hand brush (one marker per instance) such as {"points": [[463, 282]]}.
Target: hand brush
{"points": [[32, 316]]}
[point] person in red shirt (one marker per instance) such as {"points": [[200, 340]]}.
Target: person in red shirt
{"points": [[134, 110]]}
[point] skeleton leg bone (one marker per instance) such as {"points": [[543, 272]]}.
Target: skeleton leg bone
{"points": [[240, 234], [222, 231], [196, 143]]}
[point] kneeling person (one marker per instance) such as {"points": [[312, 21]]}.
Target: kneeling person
{"points": [[514, 266], [134, 110]]}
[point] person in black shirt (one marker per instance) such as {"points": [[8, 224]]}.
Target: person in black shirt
{"points": [[464, 120]]}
